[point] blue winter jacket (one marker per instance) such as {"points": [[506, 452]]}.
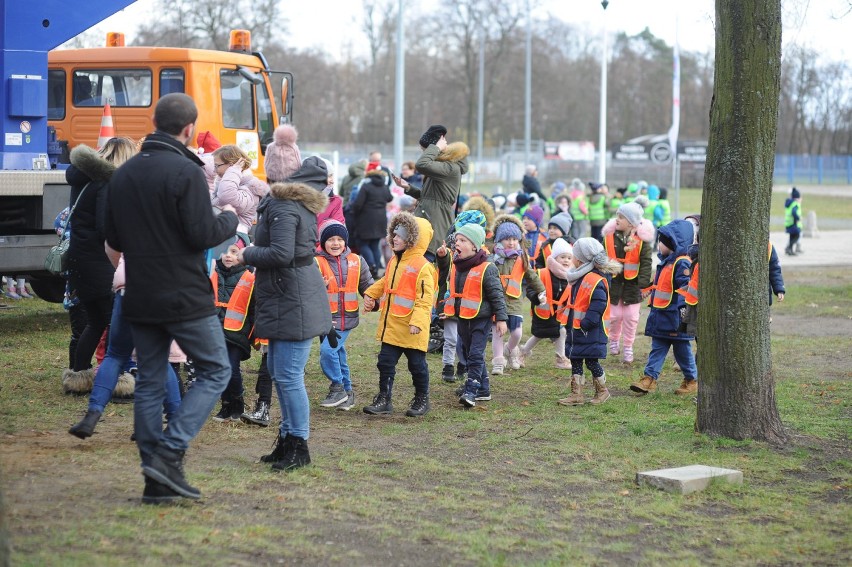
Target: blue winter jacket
{"points": [[664, 323], [589, 341], [776, 280]]}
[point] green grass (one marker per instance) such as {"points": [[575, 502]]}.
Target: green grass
{"points": [[519, 480]]}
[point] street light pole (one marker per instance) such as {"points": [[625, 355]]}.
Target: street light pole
{"points": [[399, 103], [528, 89], [602, 130], [480, 114]]}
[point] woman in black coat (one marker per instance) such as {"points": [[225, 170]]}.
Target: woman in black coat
{"points": [[370, 210], [89, 270], [292, 306]]}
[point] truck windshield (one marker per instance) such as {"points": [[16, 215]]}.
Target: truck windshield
{"points": [[237, 100], [118, 87]]}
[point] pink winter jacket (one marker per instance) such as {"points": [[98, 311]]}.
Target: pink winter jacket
{"points": [[243, 191]]}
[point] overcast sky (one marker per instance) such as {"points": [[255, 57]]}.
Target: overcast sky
{"points": [[327, 24]]}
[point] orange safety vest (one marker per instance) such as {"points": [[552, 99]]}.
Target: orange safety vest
{"points": [[237, 307], [402, 296], [471, 295], [584, 299], [690, 292], [350, 292], [664, 288], [631, 257], [553, 308], [512, 282], [537, 249]]}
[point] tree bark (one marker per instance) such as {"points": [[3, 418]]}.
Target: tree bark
{"points": [[737, 390]]}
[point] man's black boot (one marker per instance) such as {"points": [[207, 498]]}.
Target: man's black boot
{"points": [[166, 467]]}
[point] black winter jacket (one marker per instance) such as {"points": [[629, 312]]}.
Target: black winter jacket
{"points": [[370, 208], [159, 214], [89, 270], [292, 304]]}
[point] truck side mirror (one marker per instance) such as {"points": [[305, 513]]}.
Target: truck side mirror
{"points": [[286, 98]]}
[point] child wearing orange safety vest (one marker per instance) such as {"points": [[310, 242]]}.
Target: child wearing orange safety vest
{"points": [[512, 264], [532, 219], [404, 297], [233, 287], [559, 226], [346, 275], [548, 308], [476, 296], [586, 318], [667, 310], [628, 239]]}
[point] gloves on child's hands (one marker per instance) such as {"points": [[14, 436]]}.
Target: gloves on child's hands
{"points": [[542, 298]]}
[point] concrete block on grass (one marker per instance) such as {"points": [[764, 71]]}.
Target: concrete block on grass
{"points": [[684, 480]]}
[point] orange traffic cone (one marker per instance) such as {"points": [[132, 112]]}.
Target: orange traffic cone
{"points": [[107, 128]]}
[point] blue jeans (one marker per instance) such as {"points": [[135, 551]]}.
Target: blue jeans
{"points": [[204, 342], [389, 356], [119, 349], [473, 337], [234, 388], [371, 252], [286, 361], [334, 363], [682, 353]]}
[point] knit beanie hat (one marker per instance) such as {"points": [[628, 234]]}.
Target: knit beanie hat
{"points": [[642, 201], [331, 227], [521, 199], [589, 250], [535, 214], [474, 233], [470, 217], [794, 194], [508, 230], [633, 212], [313, 173], [562, 221], [432, 135], [561, 246], [207, 142]]}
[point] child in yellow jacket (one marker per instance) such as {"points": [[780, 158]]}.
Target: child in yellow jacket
{"points": [[407, 293]]}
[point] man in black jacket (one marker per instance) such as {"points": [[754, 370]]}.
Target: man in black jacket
{"points": [[159, 215]]}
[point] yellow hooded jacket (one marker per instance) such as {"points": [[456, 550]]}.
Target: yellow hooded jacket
{"points": [[392, 329]]}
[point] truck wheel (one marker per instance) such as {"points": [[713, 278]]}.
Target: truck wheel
{"points": [[51, 289]]}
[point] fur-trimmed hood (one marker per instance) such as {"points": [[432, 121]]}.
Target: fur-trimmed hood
{"points": [[454, 152], [645, 231], [479, 203], [516, 221], [91, 164], [419, 233], [313, 200]]}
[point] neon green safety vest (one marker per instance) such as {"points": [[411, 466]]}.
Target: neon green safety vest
{"points": [[649, 212], [614, 203], [788, 215], [667, 212], [597, 209], [576, 213]]}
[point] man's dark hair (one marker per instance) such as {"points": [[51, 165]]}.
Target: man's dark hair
{"points": [[174, 111]]}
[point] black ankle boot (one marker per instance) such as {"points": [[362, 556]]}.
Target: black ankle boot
{"points": [[166, 467], [278, 450], [296, 455], [87, 425]]}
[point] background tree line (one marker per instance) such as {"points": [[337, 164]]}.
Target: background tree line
{"points": [[352, 100]]}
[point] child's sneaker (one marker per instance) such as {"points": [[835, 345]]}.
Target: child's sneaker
{"points": [[12, 294], [335, 397], [483, 395], [497, 365], [260, 415], [224, 413], [448, 374], [628, 355], [468, 396], [516, 358], [461, 371], [349, 403], [613, 348]]}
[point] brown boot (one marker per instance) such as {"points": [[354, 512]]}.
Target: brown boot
{"points": [[644, 386], [601, 392], [687, 388], [576, 398]]}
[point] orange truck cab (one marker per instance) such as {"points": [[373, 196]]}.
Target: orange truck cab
{"points": [[232, 89]]}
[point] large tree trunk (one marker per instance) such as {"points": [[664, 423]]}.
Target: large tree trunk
{"points": [[737, 391]]}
